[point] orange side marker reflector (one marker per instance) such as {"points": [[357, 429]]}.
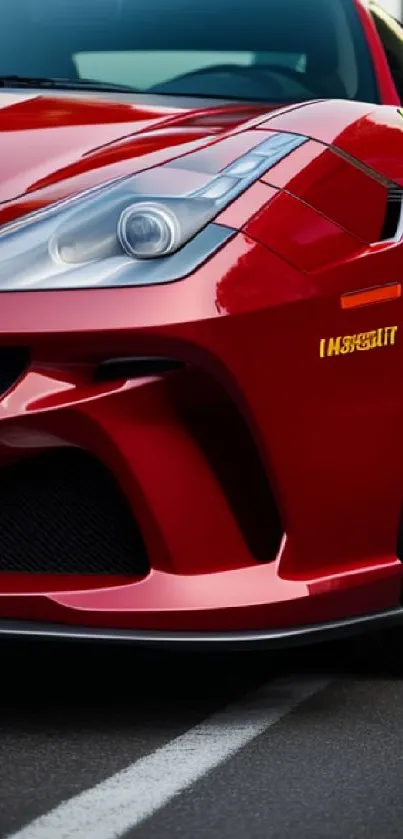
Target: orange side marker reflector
{"points": [[379, 294]]}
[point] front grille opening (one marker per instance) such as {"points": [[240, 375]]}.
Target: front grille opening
{"points": [[223, 435], [63, 513], [393, 214]]}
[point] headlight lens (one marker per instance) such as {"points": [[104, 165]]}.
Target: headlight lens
{"points": [[146, 231], [126, 233]]}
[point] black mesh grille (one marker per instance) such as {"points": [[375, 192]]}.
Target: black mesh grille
{"points": [[13, 362], [62, 513]]}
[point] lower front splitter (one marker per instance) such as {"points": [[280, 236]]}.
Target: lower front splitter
{"points": [[270, 639]]}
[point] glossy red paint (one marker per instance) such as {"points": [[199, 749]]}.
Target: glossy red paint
{"points": [[55, 147], [257, 412], [355, 138]]}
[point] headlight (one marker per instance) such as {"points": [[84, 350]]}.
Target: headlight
{"points": [[126, 232]]}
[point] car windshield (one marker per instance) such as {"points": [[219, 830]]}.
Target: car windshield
{"points": [[258, 50]]}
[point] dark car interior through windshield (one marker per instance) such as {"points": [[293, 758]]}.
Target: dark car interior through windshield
{"points": [[263, 50]]}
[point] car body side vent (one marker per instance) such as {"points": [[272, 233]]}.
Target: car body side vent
{"points": [[393, 214]]}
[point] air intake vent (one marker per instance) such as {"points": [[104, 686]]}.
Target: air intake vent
{"points": [[393, 214], [62, 513], [13, 362]]}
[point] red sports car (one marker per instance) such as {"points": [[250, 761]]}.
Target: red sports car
{"points": [[201, 319]]}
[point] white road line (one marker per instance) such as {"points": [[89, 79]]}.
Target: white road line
{"points": [[126, 799]]}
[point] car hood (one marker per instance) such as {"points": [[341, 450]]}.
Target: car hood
{"points": [[57, 144], [54, 145]]}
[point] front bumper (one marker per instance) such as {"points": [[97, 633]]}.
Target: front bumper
{"points": [[233, 546]]}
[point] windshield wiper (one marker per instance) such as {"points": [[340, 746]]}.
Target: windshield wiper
{"points": [[51, 83]]}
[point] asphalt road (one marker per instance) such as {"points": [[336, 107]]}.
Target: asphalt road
{"points": [[106, 742]]}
